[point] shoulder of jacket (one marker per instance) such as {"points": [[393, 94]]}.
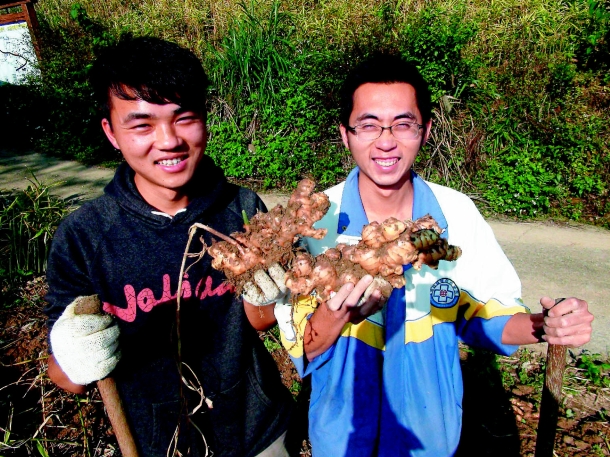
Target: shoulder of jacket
{"points": [[452, 200], [94, 216], [93, 208], [335, 193], [247, 200]]}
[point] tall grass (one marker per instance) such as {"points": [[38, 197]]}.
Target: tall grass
{"points": [[28, 220], [255, 57]]}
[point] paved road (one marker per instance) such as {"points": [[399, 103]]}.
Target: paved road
{"points": [[551, 259]]}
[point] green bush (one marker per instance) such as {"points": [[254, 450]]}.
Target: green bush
{"points": [[287, 143], [254, 57], [593, 44], [521, 181], [18, 114], [434, 39], [71, 128], [595, 368]]}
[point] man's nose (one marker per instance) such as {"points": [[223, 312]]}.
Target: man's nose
{"points": [[386, 139], [167, 137]]}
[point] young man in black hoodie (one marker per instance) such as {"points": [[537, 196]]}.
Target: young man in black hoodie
{"points": [[127, 247]]}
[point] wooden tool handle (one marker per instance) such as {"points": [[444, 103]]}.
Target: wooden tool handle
{"points": [[91, 304], [551, 398], [116, 414]]}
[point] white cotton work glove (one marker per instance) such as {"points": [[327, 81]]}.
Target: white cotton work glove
{"points": [[269, 287], [86, 346], [283, 315]]}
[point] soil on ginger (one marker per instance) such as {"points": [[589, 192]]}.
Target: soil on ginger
{"points": [[501, 400]]}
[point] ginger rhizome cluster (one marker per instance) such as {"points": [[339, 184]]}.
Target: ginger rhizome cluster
{"points": [[383, 250], [270, 239]]}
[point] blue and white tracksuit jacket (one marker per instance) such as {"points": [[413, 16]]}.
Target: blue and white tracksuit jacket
{"points": [[392, 385]]}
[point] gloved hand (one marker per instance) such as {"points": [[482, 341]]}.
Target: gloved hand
{"points": [[269, 287], [283, 315], [86, 345]]}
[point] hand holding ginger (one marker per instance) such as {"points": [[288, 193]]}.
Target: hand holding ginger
{"points": [[382, 252], [268, 286], [348, 304], [352, 304]]}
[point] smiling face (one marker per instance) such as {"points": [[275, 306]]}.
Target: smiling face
{"points": [[385, 162], [163, 144]]}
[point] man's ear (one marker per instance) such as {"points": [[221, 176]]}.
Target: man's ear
{"points": [[107, 128], [344, 137], [427, 128]]}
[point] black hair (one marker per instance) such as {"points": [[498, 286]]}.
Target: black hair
{"points": [[149, 69], [384, 68]]}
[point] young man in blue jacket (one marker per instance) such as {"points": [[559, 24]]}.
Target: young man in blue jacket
{"points": [[127, 247], [386, 379]]}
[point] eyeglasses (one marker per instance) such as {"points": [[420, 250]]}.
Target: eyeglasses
{"points": [[402, 131]]}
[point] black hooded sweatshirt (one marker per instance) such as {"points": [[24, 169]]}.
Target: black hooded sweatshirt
{"points": [[118, 247]]}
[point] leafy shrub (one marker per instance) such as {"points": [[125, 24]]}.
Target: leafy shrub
{"points": [[520, 182], [434, 39], [18, 114], [286, 145], [56, 111], [593, 45], [72, 127], [268, 124], [596, 369]]}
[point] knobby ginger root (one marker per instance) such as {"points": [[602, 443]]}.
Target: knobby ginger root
{"points": [[269, 239], [383, 250]]}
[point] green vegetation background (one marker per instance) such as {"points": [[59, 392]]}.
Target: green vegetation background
{"points": [[521, 89]]}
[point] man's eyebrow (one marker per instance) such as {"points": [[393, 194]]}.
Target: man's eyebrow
{"points": [[182, 110], [366, 116], [137, 116], [369, 116], [407, 115], [185, 109]]}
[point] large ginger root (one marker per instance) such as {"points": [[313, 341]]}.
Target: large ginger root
{"points": [[269, 237], [382, 252]]}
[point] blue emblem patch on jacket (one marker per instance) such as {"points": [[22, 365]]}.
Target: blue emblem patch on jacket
{"points": [[444, 293]]}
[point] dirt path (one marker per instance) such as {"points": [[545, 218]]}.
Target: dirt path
{"points": [[551, 259]]}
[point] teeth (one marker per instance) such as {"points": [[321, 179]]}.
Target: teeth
{"points": [[386, 162], [169, 163]]}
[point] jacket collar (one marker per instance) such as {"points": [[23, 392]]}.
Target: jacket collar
{"points": [[352, 216], [208, 187]]}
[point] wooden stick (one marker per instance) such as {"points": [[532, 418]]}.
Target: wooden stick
{"points": [[91, 304], [551, 398]]}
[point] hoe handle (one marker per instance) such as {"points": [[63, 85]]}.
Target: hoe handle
{"points": [[551, 398], [108, 390]]}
